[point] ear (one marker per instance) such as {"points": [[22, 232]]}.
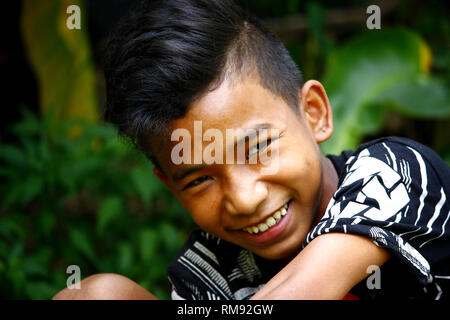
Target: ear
{"points": [[316, 110]]}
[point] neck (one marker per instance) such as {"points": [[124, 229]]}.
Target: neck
{"points": [[329, 186]]}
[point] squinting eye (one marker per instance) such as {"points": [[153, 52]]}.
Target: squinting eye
{"points": [[256, 148], [253, 150], [196, 182]]}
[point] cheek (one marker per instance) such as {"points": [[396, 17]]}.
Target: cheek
{"points": [[205, 215], [301, 170], [301, 158]]}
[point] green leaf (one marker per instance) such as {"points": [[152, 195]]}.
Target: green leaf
{"points": [[124, 257], [29, 125], [360, 72], [13, 195], [46, 222], [12, 155], [40, 290], [33, 268], [11, 229], [32, 187], [171, 240], [23, 190], [148, 240], [110, 210], [144, 182], [421, 97], [80, 241]]}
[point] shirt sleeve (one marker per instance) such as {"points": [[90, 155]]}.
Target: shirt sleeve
{"points": [[391, 195]]}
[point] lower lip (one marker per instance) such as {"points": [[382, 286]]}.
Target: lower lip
{"points": [[271, 233]]}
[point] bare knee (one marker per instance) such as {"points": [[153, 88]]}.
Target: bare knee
{"points": [[105, 286]]}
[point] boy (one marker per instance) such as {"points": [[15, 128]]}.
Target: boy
{"points": [[309, 229]]}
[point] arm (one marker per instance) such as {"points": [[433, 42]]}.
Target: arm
{"points": [[327, 268]]}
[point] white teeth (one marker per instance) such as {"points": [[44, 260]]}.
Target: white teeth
{"points": [[277, 216], [263, 227], [270, 222]]}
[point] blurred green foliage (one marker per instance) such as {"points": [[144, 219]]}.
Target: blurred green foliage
{"points": [[376, 72], [91, 201]]}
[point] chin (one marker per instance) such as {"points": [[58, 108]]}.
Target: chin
{"points": [[280, 254]]}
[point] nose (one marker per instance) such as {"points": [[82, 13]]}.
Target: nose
{"points": [[243, 192]]}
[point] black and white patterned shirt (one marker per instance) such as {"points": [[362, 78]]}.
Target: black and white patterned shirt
{"points": [[391, 190]]}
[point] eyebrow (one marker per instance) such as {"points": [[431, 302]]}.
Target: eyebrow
{"points": [[182, 173]]}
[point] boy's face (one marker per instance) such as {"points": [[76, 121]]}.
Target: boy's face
{"points": [[230, 199]]}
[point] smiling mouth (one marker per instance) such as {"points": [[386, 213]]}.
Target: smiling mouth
{"points": [[269, 222]]}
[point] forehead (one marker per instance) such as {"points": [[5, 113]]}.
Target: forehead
{"points": [[243, 104], [234, 104]]}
